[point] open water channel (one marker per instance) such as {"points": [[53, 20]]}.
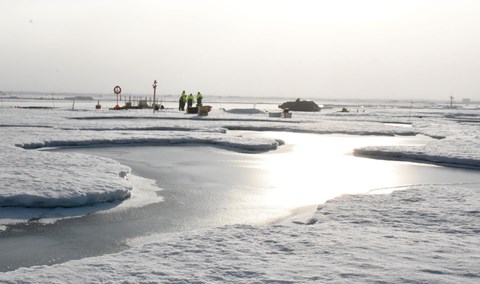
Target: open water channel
{"points": [[206, 187]]}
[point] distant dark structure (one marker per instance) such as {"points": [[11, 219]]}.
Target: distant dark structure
{"points": [[299, 105]]}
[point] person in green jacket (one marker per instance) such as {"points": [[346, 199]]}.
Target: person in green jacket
{"points": [[199, 99], [190, 100], [182, 101]]}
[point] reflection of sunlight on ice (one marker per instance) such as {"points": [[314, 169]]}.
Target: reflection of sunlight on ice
{"points": [[145, 191], [323, 168]]}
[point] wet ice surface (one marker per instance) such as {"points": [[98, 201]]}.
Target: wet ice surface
{"points": [[205, 187]]}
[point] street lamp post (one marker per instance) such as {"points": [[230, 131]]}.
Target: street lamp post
{"points": [[154, 93]]}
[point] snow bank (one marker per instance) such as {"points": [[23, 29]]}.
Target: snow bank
{"points": [[244, 111], [112, 138], [144, 192], [449, 156], [44, 179], [459, 146]]}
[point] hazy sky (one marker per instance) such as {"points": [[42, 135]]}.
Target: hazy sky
{"points": [[398, 49]]}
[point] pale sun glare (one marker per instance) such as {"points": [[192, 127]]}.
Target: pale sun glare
{"points": [[322, 168]]}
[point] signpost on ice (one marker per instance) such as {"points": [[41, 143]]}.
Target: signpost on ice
{"points": [[154, 91], [117, 90]]}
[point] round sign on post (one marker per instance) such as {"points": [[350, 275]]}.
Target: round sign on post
{"points": [[117, 90]]}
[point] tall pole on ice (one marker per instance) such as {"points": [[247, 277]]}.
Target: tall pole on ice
{"points": [[154, 93]]}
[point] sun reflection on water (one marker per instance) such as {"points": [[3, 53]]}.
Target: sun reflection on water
{"points": [[322, 168]]}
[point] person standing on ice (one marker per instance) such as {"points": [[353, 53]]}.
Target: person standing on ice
{"points": [[181, 101], [199, 99], [190, 100], [184, 100]]}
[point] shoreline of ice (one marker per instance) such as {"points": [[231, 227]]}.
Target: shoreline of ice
{"points": [[144, 192]]}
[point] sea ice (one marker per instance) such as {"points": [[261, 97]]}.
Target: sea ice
{"points": [[420, 234]]}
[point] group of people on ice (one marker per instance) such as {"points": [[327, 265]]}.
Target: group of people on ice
{"points": [[184, 99]]}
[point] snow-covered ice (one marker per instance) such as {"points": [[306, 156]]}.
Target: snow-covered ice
{"points": [[44, 179], [422, 233], [431, 238]]}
